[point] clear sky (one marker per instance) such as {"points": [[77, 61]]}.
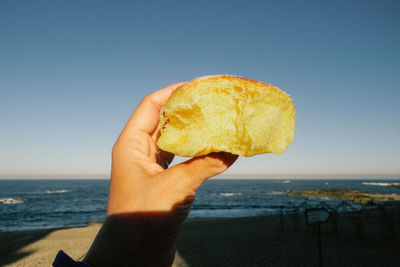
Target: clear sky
{"points": [[71, 73]]}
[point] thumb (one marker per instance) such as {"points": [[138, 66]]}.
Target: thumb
{"points": [[195, 171]]}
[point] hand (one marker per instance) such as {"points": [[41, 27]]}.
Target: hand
{"points": [[147, 203]]}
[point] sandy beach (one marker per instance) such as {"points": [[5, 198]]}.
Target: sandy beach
{"points": [[250, 241]]}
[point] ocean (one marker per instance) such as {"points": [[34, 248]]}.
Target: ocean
{"points": [[42, 204]]}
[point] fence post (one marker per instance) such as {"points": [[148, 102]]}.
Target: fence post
{"points": [[334, 223], [357, 223]]}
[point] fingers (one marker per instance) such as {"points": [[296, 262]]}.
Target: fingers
{"points": [[146, 116], [196, 170]]}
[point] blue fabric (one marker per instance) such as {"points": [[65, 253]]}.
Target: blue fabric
{"points": [[63, 260]]}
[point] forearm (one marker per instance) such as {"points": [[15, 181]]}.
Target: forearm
{"points": [[137, 239]]}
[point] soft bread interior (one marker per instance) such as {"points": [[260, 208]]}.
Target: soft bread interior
{"points": [[226, 113]]}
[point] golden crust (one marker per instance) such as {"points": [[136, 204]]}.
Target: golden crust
{"points": [[226, 77], [227, 113]]}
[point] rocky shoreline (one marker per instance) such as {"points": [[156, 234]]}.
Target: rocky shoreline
{"points": [[357, 196]]}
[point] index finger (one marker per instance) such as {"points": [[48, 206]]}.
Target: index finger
{"points": [[146, 116]]}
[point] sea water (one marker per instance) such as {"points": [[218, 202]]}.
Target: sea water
{"points": [[41, 204]]}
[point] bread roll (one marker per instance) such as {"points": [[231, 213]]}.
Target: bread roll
{"points": [[226, 113]]}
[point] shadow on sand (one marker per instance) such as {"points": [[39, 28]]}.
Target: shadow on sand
{"points": [[261, 241], [12, 242]]}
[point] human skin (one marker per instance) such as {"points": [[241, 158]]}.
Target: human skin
{"points": [[147, 203]]}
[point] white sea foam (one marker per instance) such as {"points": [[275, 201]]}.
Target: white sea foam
{"points": [[10, 201], [283, 181], [230, 194], [325, 198], [381, 184], [57, 191], [276, 193]]}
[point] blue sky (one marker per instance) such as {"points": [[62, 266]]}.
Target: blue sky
{"points": [[71, 73]]}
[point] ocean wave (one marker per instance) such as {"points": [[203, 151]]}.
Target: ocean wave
{"points": [[230, 194], [276, 193], [57, 191], [10, 201], [282, 181], [381, 184], [233, 206]]}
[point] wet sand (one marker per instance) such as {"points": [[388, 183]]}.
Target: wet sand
{"points": [[251, 241]]}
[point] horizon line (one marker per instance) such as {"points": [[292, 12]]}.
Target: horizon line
{"points": [[221, 176]]}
